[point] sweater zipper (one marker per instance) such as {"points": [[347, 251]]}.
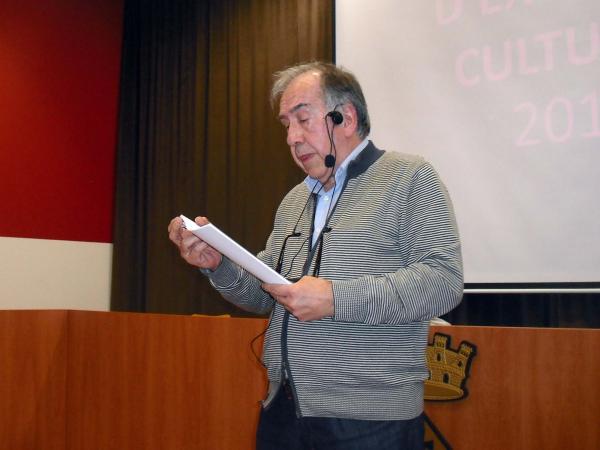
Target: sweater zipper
{"points": [[285, 364]]}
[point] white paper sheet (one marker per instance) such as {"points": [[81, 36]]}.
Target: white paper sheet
{"points": [[234, 251]]}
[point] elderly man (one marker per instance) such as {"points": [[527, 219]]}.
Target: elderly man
{"points": [[371, 239]]}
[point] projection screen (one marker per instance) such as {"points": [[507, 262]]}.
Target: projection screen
{"points": [[503, 98]]}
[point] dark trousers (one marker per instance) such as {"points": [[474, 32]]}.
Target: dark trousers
{"points": [[279, 429]]}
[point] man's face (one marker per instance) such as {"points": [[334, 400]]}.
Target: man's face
{"points": [[302, 112]]}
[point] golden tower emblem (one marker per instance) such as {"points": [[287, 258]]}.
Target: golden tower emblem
{"points": [[448, 369]]}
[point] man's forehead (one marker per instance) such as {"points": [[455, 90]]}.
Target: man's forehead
{"points": [[295, 108], [303, 92]]}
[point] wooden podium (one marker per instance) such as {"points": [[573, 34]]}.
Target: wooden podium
{"points": [[75, 380]]}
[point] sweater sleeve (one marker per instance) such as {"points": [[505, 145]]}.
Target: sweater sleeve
{"points": [[430, 283], [240, 287]]}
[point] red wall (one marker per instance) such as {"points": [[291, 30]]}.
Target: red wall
{"points": [[59, 82]]}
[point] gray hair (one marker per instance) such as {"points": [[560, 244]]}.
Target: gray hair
{"points": [[338, 85]]}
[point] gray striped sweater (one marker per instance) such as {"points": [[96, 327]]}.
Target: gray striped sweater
{"points": [[393, 255]]}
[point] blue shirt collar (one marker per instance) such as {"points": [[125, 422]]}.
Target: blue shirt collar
{"points": [[340, 174]]}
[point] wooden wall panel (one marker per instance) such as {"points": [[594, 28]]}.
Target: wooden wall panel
{"points": [[81, 380], [141, 381], [33, 350], [529, 388]]}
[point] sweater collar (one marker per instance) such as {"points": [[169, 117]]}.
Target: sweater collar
{"points": [[364, 160]]}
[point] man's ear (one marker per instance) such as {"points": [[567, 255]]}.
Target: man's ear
{"points": [[350, 123]]}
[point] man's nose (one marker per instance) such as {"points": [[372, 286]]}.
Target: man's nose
{"points": [[294, 134]]}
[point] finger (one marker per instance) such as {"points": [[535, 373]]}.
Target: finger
{"points": [[186, 234], [276, 290], [175, 223], [193, 246], [201, 220], [283, 301], [175, 233], [198, 247]]}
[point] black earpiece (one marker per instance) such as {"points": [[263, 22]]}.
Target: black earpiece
{"points": [[336, 117]]}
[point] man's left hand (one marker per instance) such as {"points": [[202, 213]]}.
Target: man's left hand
{"points": [[310, 298]]}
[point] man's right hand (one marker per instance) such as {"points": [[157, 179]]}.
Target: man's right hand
{"points": [[193, 249]]}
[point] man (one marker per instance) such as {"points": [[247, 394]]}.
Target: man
{"points": [[372, 240]]}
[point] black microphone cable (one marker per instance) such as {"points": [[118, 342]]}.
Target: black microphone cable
{"points": [[336, 119], [278, 268], [294, 233]]}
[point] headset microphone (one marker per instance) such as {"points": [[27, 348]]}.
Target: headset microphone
{"points": [[336, 119], [329, 161]]}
